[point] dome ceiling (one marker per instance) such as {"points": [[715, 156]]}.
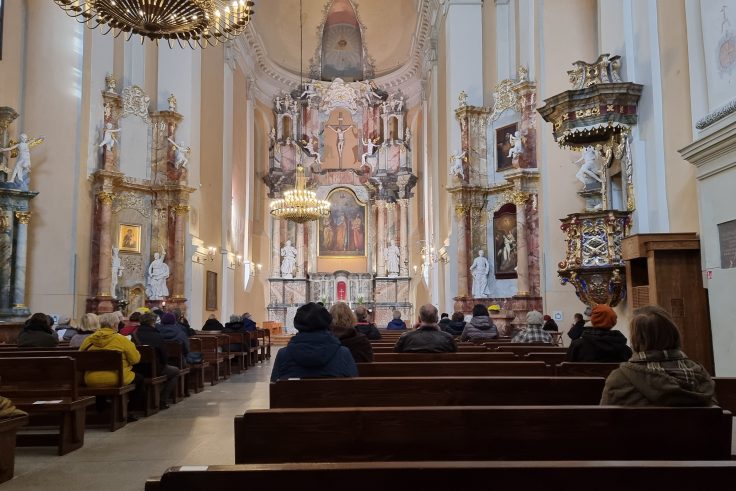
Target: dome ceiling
{"points": [[389, 30]]}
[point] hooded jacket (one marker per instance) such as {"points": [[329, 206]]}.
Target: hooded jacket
{"points": [[313, 354], [455, 328], [480, 327], [396, 325], [599, 345], [369, 329], [426, 339], [175, 332], [576, 330], [358, 344], [37, 335], [659, 378], [106, 338]]}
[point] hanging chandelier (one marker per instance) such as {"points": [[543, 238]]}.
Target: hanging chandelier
{"points": [[300, 205], [194, 22]]}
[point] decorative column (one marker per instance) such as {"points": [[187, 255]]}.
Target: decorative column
{"points": [[21, 252], [276, 249], [381, 242], [181, 214], [462, 251], [300, 250], [390, 222], [522, 248], [403, 232], [104, 268]]}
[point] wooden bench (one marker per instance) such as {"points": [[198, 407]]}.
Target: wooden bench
{"points": [[208, 347], [581, 369], [8, 429], [175, 357], [547, 357], [436, 391], [408, 357], [482, 433], [148, 367], [197, 370], [239, 357], [48, 390], [454, 369], [264, 341], [460, 349], [522, 349], [444, 476], [726, 392]]}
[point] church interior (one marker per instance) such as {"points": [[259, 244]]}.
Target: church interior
{"points": [[264, 162]]}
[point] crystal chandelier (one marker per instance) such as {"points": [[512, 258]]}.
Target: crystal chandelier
{"points": [[195, 22], [300, 205]]}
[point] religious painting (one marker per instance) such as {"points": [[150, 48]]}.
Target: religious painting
{"points": [[727, 241], [129, 238], [211, 291], [342, 233], [504, 241], [503, 146]]}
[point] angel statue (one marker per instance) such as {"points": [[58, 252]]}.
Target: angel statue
{"points": [[181, 158], [108, 138], [370, 149], [23, 162], [516, 146], [590, 170], [457, 160]]}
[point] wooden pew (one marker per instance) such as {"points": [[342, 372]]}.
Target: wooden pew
{"points": [[408, 357], [239, 357], [148, 367], [580, 369], [726, 392], [436, 391], [48, 390], [454, 369], [175, 357], [198, 370], [208, 347], [8, 429], [482, 433], [223, 348], [547, 357], [460, 349], [264, 342], [522, 349], [445, 476]]}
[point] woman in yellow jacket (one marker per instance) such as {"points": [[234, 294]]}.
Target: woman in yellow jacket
{"points": [[107, 337]]}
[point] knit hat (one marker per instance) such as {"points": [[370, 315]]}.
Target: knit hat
{"points": [[312, 317], [494, 308], [534, 318], [603, 317], [168, 318], [547, 318]]}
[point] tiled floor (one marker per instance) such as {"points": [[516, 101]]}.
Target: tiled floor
{"points": [[197, 431]]}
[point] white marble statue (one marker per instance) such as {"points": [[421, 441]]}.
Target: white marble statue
{"points": [[158, 272], [456, 169], [516, 146], [309, 91], [279, 103], [370, 148], [340, 132], [392, 256], [312, 148], [398, 104], [272, 136], [23, 162], [288, 263], [182, 151], [480, 269], [590, 169], [108, 138], [117, 271], [407, 136]]}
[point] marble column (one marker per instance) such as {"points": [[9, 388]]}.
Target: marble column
{"points": [[462, 252], [522, 249], [299, 250], [403, 233], [21, 252], [104, 275], [381, 233], [276, 249], [181, 214]]}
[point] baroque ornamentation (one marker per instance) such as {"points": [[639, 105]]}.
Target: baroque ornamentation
{"points": [[105, 197], [132, 201], [716, 115], [181, 209], [338, 94], [132, 265], [505, 97], [602, 71], [135, 103], [23, 217]]}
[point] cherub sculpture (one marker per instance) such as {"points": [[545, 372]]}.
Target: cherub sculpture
{"points": [[516, 145], [456, 169], [108, 138], [589, 170], [181, 157], [23, 162]]}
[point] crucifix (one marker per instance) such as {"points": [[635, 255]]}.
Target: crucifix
{"points": [[340, 130]]}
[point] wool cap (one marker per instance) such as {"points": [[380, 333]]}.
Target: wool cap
{"points": [[603, 317], [312, 317], [534, 318], [168, 318], [547, 318]]}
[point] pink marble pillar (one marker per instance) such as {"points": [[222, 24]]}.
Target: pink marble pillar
{"points": [[104, 274], [181, 214], [462, 253], [522, 248], [403, 232], [276, 248], [300, 246], [381, 241]]}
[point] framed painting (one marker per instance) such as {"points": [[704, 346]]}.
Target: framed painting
{"points": [[342, 233], [211, 291], [503, 146], [129, 238], [727, 242], [504, 242]]}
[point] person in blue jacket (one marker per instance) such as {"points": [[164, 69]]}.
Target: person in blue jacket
{"points": [[314, 352]]}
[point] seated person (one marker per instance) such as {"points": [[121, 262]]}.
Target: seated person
{"points": [[480, 328], [212, 324], [577, 328], [171, 331], [148, 334], [600, 343], [365, 327], [444, 321], [456, 325], [550, 324], [658, 373], [314, 352], [343, 327], [396, 323], [37, 333], [534, 333], [427, 338], [132, 325], [64, 329], [88, 324]]}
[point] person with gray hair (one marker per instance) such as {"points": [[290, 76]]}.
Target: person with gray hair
{"points": [[533, 332], [396, 323], [427, 338]]}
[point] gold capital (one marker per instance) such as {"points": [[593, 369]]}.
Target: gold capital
{"points": [[181, 209], [23, 217], [105, 198]]}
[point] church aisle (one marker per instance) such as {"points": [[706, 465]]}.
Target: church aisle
{"points": [[197, 431]]}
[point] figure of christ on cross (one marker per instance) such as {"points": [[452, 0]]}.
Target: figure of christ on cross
{"points": [[340, 130]]}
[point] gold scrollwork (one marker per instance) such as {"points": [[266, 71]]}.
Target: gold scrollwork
{"points": [[181, 209], [23, 217], [586, 113], [105, 198]]}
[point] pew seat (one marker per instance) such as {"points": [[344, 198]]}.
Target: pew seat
{"points": [[8, 429]]}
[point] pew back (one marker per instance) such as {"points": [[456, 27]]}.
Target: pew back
{"points": [[454, 369]]}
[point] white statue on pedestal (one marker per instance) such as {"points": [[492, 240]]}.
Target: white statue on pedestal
{"points": [[480, 269], [23, 162], [370, 149], [108, 138], [456, 169], [158, 272], [516, 149], [182, 151], [117, 271], [392, 256], [590, 170], [288, 264]]}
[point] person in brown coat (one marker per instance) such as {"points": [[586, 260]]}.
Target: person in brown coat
{"points": [[343, 327], [658, 373]]}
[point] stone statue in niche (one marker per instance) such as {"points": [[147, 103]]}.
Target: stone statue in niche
{"points": [[480, 269], [108, 138], [158, 272], [181, 156], [516, 145], [23, 161], [340, 132], [309, 91], [407, 136], [272, 137], [117, 272], [288, 263], [590, 171], [456, 168], [392, 256]]}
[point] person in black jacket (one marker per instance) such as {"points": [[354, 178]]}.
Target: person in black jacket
{"points": [[343, 327], [600, 343], [550, 324], [212, 324], [457, 324], [576, 330], [37, 333], [148, 334], [427, 338], [365, 327], [444, 321]]}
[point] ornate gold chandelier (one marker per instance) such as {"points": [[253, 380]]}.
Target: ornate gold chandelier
{"points": [[195, 22], [300, 205]]}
